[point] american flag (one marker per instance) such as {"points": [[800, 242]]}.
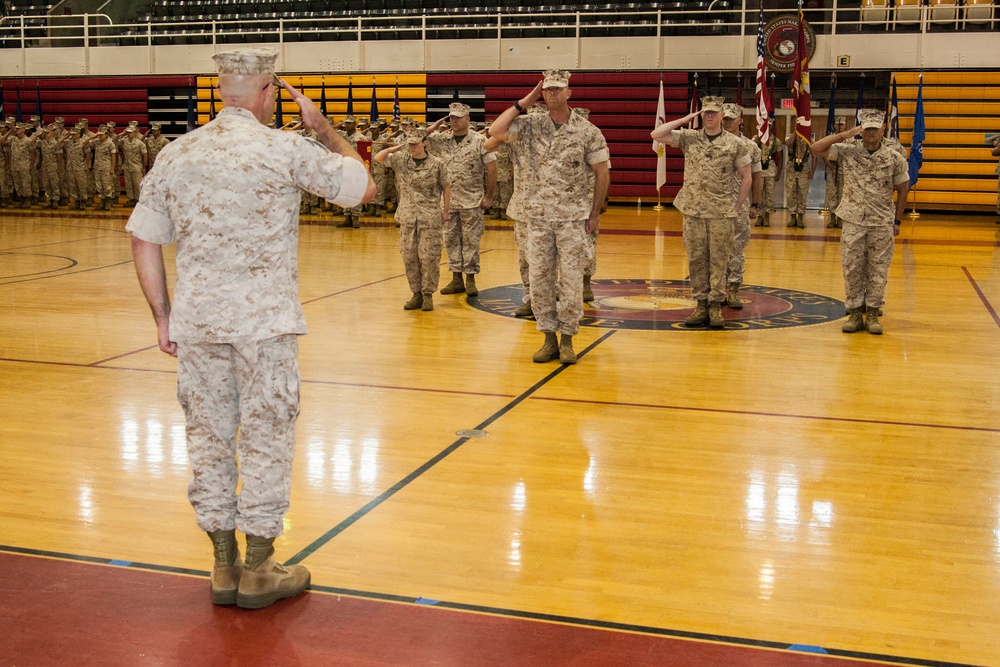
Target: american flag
{"points": [[763, 112], [395, 103]]}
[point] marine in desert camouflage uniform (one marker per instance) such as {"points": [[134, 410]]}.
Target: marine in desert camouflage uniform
{"points": [[712, 160], [559, 205], [229, 194], [872, 171], [424, 192]]}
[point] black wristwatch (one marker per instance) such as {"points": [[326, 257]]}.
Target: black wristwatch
{"points": [[899, 222], [517, 105]]}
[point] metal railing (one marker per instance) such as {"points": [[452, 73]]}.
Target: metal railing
{"points": [[719, 17]]}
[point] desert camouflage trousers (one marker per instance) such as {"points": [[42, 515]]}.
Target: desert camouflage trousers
{"points": [[766, 195], [78, 180], [22, 181], [521, 240], [558, 252], [505, 188], [50, 182], [252, 387], [796, 189], [707, 242], [591, 267], [106, 183], [133, 180], [462, 235], [420, 246], [866, 253], [737, 254]]}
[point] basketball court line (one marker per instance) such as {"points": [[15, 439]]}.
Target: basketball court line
{"points": [[982, 297]]}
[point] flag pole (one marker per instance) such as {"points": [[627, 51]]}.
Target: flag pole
{"points": [[659, 204], [913, 214]]}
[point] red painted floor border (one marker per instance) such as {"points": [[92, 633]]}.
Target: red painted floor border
{"points": [[56, 611]]}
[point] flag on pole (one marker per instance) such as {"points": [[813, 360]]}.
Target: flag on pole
{"points": [[800, 84], [322, 95], [192, 121], [694, 124], [279, 116], [739, 89], [661, 154], [17, 91], [211, 108], [919, 132], [350, 97], [38, 103], [395, 103], [2, 115], [373, 114], [861, 99], [719, 87], [831, 114], [761, 92], [894, 113]]}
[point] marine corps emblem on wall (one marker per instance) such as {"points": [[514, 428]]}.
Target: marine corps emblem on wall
{"points": [[780, 35]]}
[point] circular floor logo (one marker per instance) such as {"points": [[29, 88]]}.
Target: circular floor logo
{"points": [[663, 305]]}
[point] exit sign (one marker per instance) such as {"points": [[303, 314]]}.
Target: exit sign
{"points": [[787, 103]]}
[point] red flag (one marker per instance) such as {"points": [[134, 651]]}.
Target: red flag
{"points": [[800, 84]]}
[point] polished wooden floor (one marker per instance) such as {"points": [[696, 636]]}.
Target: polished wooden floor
{"points": [[794, 486]]}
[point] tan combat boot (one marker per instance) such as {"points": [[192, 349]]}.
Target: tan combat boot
{"points": [[566, 353], [415, 301], [228, 567], [549, 351], [699, 317], [428, 302], [715, 319], [470, 285], [456, 286], [588, 291], [263, 580], [733, 296], [524, 310], [872, 323], [855, 322]]}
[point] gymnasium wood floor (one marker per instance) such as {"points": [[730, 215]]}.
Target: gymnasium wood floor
{"points": [[676, 498]]}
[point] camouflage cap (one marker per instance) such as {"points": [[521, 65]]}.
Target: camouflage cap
{"points": [[710, 103], [20, 126], [110, 124], [732, 111], [350, 119], [841, 120], [458, 110], [364, 121], [154, 126], [415, 137], [131, 130], [394, 124], [11, 119], [872, 118], [555, 78], [246, 61], [83, 121], [133, 123], [473, 125]]}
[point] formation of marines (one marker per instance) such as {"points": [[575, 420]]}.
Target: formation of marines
{"points": [[52, 165]]}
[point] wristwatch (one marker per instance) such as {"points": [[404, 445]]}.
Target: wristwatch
{"points": [[517, 105]]}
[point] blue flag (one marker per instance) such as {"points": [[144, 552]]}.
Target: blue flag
{"points": [[919, 132], [19, 117], [192, 121], [38, 104], [322, 97], [211, 108], [350, 97], [373, 114]]}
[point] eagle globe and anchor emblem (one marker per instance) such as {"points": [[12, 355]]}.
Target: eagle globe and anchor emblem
{"points": [[664, 304]]}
